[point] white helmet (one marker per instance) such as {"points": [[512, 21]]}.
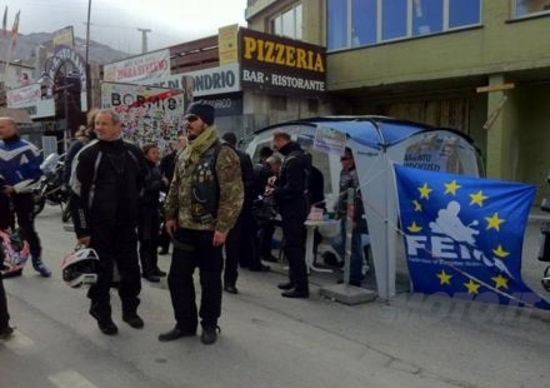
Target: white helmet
{"points": [[80, 267]]}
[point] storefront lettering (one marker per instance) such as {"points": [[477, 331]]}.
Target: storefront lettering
{"points": [[128, 99], [268, 51]]}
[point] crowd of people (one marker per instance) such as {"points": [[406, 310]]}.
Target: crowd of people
{"points": [[215, 196]]}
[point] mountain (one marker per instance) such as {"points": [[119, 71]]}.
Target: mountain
{"points": [[26, 46]]}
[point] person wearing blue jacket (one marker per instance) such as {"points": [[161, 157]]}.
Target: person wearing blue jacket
{"points": [[20, 168]]}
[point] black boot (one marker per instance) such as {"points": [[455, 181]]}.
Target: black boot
{"points": [[210, 334], [176, 333], [133, 320], [286, 286]]}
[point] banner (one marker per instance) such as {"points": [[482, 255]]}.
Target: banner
{"points": [[150, 115], [64, 37], [29, 98], [143, 68], [464, 236]]}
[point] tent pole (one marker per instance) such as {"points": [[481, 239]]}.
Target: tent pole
{"points": [[386, 226]]}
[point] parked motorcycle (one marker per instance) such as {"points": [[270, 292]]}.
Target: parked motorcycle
{"points": [[544, 252], [51, 188]]}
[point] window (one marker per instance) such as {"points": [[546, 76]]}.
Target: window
{"points": [[531, 7], [464, 13], [394, 19], [337, 27], [427, 16], [363, 22], [356, 23], [289, 23]]}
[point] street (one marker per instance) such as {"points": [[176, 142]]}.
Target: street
{"points": [[269, 341]]}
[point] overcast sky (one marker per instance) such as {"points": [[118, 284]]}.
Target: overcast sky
{"points": [[171, 21]]}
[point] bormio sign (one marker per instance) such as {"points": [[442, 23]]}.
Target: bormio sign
{"points": [[277, 64]]}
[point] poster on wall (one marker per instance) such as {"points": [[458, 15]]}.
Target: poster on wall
{"points": [[435, 152], [150, 115], [147, 67]]}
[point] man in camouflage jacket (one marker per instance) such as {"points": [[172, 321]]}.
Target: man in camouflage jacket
{"points": [[203, 204]]}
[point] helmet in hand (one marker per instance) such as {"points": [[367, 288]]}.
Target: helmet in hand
{"points": [[80, 267]]}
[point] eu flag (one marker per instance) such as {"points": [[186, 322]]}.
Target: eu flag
{"points": [[464, 235]]}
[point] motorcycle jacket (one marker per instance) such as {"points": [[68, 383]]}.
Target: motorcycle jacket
{"points": [[19, 164], [205, 191], [293, 183], [106, 181]]}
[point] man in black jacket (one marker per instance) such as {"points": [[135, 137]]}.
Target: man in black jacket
{"points": [[149, 216], [240, 244], [291, 197], [106, 181]]}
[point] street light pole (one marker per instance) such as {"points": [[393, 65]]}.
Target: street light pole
{"points": [[88, 31]]}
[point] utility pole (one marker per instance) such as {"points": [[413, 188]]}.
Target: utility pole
{"points": [[144, 32], [88, 31]]}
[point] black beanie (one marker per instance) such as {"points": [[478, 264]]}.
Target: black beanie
{"points": [[202, 110]]}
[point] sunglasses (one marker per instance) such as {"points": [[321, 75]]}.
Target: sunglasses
{"points": [[190, 119], [344, 158]]}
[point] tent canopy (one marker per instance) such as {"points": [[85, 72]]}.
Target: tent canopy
{"points": [[374, 131]]}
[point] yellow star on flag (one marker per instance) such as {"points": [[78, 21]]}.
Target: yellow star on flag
{"points": [[500, 252], [494, 222], [451, 188], [414, 228], [425, 191], [478, 198], [417, 206], [500, 281], [444, 278], [473, 288]]}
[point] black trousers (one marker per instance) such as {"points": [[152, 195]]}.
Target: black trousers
{"points": [[6, 216], [4, 316], [233, 253], [193, 248], [148, 234], [118, 245], [23, 206], [294, 233], [265, 239]]}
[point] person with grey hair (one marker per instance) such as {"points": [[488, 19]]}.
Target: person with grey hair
{"points": [[106, 180]]}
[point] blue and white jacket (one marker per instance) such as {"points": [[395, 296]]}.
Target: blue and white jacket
{"points": [[19, 164]]}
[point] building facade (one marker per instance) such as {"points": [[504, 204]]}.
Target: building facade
{"points": [[479, 66]]}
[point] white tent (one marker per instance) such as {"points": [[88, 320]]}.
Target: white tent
{"points": [[377, 143]]}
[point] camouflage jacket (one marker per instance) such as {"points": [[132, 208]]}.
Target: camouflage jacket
{"points": [[231, 193]]}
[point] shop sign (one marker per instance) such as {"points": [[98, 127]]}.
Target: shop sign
{"points": [[225, 104], [228, 44], [144, 68], [216, 80], [64, 36], [274, 63]]}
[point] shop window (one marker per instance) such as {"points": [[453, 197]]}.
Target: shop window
{"points": [[288, 23], [364, 14], [313, 106], [531, 7], [337, 26], [394, 19], [427, 16], [357, 23], [278, 103]]}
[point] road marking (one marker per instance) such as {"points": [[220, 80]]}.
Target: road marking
{"points": [[70, 379], [19, 342]]}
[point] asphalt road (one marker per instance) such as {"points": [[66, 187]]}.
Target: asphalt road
{"points": [[269, 341]]}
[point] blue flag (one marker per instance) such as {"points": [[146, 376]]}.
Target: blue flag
{"points": [[464, 235]]}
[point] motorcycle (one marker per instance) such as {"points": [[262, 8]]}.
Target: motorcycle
{"points": [[51, 188], [544, 252]]}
